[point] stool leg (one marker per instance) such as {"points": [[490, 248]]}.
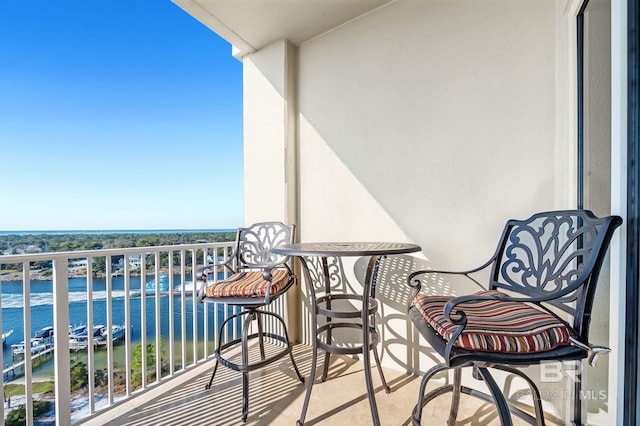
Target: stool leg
{"points": [[213, 374], [217, 351], [245, 363], [295, 367], [286, 336], [245, 396], [455, 398], [260, 336], [252, 313]]}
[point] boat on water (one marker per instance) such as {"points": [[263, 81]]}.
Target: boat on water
{"points": [[79, 338], [41, 341], [37, 345], [45, 333], [188, 288], [117, 333], [5, 335], [150, 287]]}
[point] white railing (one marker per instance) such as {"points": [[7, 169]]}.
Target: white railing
{"points": [[143, 304]]}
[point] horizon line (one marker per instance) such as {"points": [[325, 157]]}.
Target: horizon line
{"points": [[46, 231]]}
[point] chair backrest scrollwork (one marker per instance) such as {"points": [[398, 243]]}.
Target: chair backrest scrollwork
{"points": [[254, 243], [556, 255]]}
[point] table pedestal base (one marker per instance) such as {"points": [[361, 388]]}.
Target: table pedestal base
{"points": [[322, 306]]}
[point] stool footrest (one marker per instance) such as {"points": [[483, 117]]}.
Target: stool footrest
{"points": [[254, 365]]}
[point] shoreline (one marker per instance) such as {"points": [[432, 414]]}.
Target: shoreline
{"points": [[37, 276]]}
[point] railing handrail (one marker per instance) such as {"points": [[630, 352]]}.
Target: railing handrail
{"points": [[51, 255]]}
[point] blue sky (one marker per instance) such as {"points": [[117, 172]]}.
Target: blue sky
{"points": [[117, 115]]}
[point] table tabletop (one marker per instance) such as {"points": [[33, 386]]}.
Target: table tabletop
{"points": [[345, 248]]}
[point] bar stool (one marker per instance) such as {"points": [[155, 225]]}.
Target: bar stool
{"points": [[258, 278]]}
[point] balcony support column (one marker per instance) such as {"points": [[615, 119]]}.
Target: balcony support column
{"points": [[61, 356], [271, 148]]}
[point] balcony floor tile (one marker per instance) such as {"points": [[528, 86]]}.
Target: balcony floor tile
{"points": [[276, 398]]}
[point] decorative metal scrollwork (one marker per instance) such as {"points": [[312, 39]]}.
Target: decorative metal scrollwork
{"points": [[255, 242], [334, 272], [547, 254]]}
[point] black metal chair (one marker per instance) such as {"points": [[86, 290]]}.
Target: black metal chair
{"points": [[536, 308], [258, 278]]}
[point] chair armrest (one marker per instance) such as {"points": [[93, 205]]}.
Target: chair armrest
{"points": [[201, 273], [266, 275], [267, 268], [417, 285]]}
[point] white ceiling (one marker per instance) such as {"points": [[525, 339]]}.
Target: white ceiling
{"points": [[250, 25]]}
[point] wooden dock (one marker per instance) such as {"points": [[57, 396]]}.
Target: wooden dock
{"points": [[17, 369]]}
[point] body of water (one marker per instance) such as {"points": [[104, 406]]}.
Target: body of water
{"points": [[41, 310]]}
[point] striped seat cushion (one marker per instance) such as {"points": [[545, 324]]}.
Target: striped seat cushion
{"points": [[496, 326], [248, 284]]}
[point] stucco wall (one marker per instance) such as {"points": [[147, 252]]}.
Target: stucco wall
{"points": [[432, 121]]}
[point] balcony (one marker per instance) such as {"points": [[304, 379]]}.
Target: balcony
{"points": [[168, 388]]}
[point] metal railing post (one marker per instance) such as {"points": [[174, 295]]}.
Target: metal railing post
{"points": [[61, 340]]}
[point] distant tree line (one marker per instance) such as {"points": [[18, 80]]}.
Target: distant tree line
{"points": [[40, 243], [74, 242]]}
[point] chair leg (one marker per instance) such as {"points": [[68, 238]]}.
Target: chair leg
{"points": [[387, 389], [535, 393], [455, 398], [577, 389], [498, 397], [496, 394], [416, 415]]}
